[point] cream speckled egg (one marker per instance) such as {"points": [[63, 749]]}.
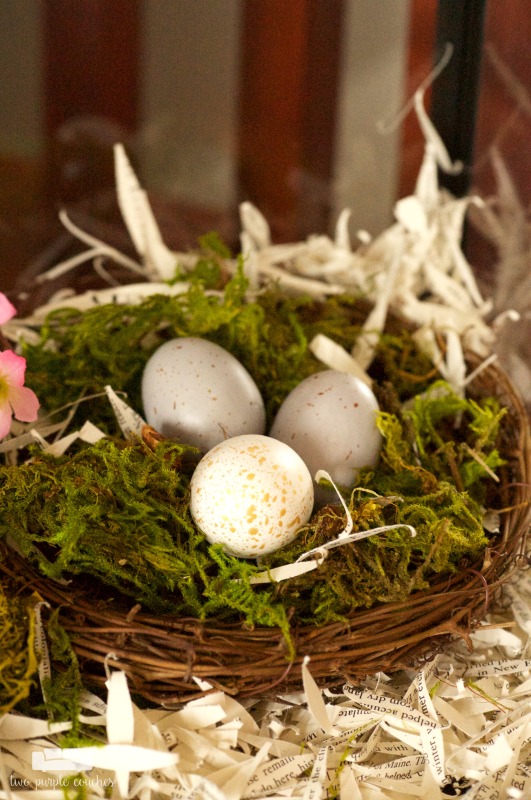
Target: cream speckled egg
{"points": [[196, 392], [251, 493], [329, 419]]}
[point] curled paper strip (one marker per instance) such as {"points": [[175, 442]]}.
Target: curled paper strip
{"points": [[130, 294], [96, 249], [416, 266], [87, 433], [24, 439], [158, 260], [129, 420], [41, 647], [318, 554]]}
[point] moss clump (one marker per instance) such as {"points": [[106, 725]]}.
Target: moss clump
{"points": [[79, 353], [62, 690], [414, 485], [117, 513], [18, 657]]}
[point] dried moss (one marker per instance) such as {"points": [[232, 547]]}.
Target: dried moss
{"points": [[55, 696], [441, 436], [79, 353], [63, 688], [118, 513], [412, 485], [115, 515], [18, 658]]}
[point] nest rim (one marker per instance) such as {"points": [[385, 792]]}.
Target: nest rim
{"points": [[170, 660]]}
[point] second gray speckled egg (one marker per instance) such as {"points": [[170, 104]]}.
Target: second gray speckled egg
{"points": [[329, 419]]}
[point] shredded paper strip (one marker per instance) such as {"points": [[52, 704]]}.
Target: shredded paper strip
{"points": [[464, 721]]}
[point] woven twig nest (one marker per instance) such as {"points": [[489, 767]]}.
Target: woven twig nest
{"points": [[168, 659], [162, 655]]}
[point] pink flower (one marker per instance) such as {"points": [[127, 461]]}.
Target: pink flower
{"points": [[7, 310], [15, 398]]}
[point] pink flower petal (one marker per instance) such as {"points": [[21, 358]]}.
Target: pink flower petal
{"points": [[24, 403], [7, 310], [12, 368], [5, 419]]}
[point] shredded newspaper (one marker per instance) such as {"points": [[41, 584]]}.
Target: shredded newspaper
{"points": [[504, 221], [461, 724], [415, 267]]}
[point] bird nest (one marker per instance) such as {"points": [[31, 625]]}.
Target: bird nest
{"points": [[169, 659]]}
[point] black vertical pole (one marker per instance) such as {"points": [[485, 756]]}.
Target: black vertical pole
{"points": [[455, 92]]}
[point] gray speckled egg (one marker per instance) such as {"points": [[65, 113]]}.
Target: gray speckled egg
{"points": [[251, 494], [196, 392], [329, 419]]}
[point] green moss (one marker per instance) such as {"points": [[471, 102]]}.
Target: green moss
{"points": [[441, 436], [79, 353], [115, 515], [117, 512], [63, 689], [415, 472]]}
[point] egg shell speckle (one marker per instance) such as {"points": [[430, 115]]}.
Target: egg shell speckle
{"points": [[251, 493], [329, 419], [197, 392]]}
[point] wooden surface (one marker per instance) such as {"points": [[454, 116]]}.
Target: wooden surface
{"points": [[91, 72]]}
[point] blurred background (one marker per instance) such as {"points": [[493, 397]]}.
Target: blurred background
{"points": [[282, 102]]}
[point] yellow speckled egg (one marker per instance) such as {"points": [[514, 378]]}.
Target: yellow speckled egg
{"points": [[251, 493]]}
